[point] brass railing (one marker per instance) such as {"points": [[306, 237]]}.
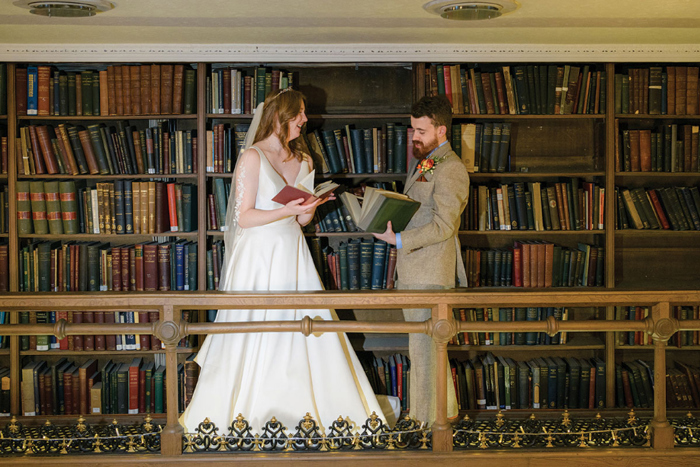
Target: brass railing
{"points": [[441, 327]]}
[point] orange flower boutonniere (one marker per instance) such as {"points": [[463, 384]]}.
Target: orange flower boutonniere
{"points": [[427, 165]]}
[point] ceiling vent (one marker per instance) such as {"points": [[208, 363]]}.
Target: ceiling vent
{"points": [[470, 11], [66, 9]]}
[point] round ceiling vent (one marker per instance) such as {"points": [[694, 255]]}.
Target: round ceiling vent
{"points": [[470, 11], [71, 9]]}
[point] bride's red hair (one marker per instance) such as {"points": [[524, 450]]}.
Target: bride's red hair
{"points": [[280, 108]]}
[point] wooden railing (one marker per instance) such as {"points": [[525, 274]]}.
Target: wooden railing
{"points": [[441, 327]]}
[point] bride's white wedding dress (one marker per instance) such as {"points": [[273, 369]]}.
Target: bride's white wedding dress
{"points": [[281, 375]]}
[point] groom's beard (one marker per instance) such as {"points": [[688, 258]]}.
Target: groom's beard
{"points": [[421, 150]]}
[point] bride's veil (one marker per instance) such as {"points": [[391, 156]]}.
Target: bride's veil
{"points": [[231, 229]]}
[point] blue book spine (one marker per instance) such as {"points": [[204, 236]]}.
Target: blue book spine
{"points": [[379, 253], [32, 90], [366, 254], [343, 253], [179, 266], [392, 372], [358, 151], [354, 265]]}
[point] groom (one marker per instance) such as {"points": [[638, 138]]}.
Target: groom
{"points": [[429, 255]]}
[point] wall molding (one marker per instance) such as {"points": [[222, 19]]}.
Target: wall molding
{"points": [[347, 53]]}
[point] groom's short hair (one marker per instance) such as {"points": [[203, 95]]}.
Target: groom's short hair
{"points": [[438, 108]]}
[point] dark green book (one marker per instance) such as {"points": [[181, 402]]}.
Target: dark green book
{"points": [[400, 148], [379, 207], [86, 91], [599, 366], [77, 147], [71, 94], [159, 386], [106, 387], [585, 383], [366, 256], [521, 89], [69, 206], [503, 148], [343, 260], [378, 255], [495, 148], [190, 93], [486, 141]]}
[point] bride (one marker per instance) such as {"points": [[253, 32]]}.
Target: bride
{"points": [[281, 375]]}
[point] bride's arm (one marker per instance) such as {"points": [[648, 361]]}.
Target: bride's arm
{"points": [[246, 180]]}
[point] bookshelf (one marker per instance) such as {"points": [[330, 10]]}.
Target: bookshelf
{"points": [[543, 148]]}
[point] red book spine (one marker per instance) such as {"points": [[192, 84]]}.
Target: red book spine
{"points": [[126, 276], [144, 339], [155, 342], [659, 210], [142, 389], [62, 343], [172, 207], [117, 269], [110, 340], [133, 389], [68, 392], [517, 265], [138, 260]]}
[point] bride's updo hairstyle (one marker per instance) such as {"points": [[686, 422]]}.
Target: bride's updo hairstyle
{"points": [[280, 108]]}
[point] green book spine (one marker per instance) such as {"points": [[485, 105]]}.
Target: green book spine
{"points": [[53, 207], [38, 204], [159, 378], [69, 206], [44, 266], [71, 94], [190, 97], [63, 94], [192, 266], [98, 146], [86, 88], [42, 342], [24, 208], [95, 95], [210, 270]]}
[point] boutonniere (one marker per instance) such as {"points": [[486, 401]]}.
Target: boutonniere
{"points": [[427, 165]]}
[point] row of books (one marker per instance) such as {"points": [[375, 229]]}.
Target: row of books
{"points": [[510, 314], [683, 386], [664, 150], [657, 90], [483, 147], [359, 264], [368, 150], [390, 376], [495, 382], [538, 89], [679, 339], [234, 91], [106, 150], [223, 146], [570, 205], [157, 89], [675, 208], [96, 266], [535, 264], [119, 207]]}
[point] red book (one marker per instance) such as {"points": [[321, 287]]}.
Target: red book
{"points": [[68, 389], [39, 166], [659, 210], [525, 268], [76, 391], [134, 385], [247, 86], [172, 207], [142, 388], [517, 265], [126, 276], [591, 389], [448, 84], [150, 267], [132, 268], [43, 85], [138, 260], [116, 269], [164, 267], [227, 90]]}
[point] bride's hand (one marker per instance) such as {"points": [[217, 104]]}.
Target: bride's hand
{"points": [[296, 207]]}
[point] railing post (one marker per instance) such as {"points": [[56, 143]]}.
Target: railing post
{"points": [[168, 332], [443, 330], [664, 327]]}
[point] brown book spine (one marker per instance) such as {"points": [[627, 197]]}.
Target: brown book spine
{"points": [[116, 269], [155, 89], [227, 89], [671, 90], [150, 267], [68, 391], [100, 341], [62, 133], [694, 148], [548, 264], [135, 83], [110, 340], [526, 267], [635, 162], [681, 89], [391, 269], [139, 267], [488, 93], [4, 269], [43, 84], [76, 391], [49, 157], [144, 339], [126, 270], [86, 143], [132, 269], [687, 147], [645, 150], [78, 340], [112, 89], [213, 224], [178, 79], [119, 89], [155, 342], [146, 89], [692, 91], [166, 89], [164, 266], [501, 93], [89, 340], [39, 166], [126, 89], [21, 91]]}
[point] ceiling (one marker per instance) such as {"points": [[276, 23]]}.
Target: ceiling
{"points": [[357, 22]]}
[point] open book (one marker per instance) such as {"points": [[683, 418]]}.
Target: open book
{"points": [[378, 207], [305, 189]]}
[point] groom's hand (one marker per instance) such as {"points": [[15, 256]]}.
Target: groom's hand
{"points": [[388, 236]]}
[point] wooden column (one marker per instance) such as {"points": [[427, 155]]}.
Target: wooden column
{"points": [[443, 330], [168, 332], [664, 327]]}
